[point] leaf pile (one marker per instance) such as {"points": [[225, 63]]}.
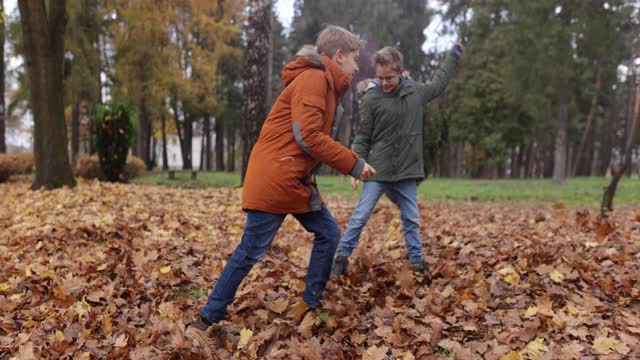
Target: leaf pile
{"points": [[115, 271]]}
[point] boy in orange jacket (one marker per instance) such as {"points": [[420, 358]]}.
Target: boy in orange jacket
{"points": [[294, 140]]}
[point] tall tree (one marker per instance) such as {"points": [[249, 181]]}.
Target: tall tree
{"points": [[255, 79], [3, 111], [43, 28], [83, 63]]}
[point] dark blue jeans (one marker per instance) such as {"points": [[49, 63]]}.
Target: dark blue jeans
{"points": [[259, 231]]}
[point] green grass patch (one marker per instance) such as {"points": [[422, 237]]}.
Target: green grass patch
{"points": [[577, 191], [194, 294], [183, 179]]}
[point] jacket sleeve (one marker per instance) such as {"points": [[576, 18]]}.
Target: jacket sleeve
{"points": [[440, 80], [308, 105], [362, 142]]}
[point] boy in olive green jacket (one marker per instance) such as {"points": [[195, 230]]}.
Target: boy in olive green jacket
{"points": [[390, 139]]}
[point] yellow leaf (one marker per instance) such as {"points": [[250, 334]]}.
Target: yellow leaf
{"points": [[6, 288], [165, 269], [57, 336], [604, 345], [278, 306], [556, 276], [534, 348], [510, 275], [245, 335], [531, 311], [81, 307], [512, 356]]}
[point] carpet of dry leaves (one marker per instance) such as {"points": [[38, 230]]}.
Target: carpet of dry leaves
{"points": [[115, 271]]}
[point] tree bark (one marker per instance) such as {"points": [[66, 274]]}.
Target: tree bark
{"points": [[44, 49], [255, 79], [176, 121], [187, 142], [3, 112], [459, 159], [208, 149], [219, 144], [165, 155], [610, 190], [75, 132], [632, 84], [560, 147], [587, 128], [231, 152], [144, 137]]}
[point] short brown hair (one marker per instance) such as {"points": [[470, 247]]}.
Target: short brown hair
{"points": [[388, 56], [334, 38]]}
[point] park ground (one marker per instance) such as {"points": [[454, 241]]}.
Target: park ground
{"points": [[522, 270]]}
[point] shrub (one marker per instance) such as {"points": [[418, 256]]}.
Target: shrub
{"points": [[7, 167], [24, 162], [88, 167], [135, 168], [114, 136]]}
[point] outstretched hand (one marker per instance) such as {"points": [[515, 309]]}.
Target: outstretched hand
{"points": [[367, 171]]}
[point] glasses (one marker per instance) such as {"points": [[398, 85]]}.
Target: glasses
{"points": [[382, 79]]}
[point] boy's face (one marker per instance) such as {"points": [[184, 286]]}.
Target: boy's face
{"points": [[347, 62], [388, 76]]}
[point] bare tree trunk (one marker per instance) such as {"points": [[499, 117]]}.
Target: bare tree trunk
{"points": [[176, 121], [587, 128], [75, 132], [513, 169], [610, 190], [560, 147], [163, 124], [231, 153], [207, 136], [187, 142], [528, 166], [459, 159], [144, 137], [44, 48], [3, 112], [256, 81], [219, 144], [203, 146], [632, 98]]}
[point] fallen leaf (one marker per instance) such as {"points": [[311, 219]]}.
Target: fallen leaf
{"points": [[534, 348], [531, 311], [245, 335], [121, 341], [509, 275], [375, 353], [556, 276], [604, 345], [278, 306]]}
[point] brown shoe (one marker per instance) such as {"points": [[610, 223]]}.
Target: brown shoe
{"points": [[199, 332]]}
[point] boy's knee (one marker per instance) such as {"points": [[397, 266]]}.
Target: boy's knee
{"points": [[334, 233]]}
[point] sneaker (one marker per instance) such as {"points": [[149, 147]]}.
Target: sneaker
{"points": [[340, 264], [421, 268], [198, 331]]}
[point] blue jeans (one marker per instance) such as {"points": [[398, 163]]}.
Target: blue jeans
{"points": [[405, 194], [259, 231]]}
